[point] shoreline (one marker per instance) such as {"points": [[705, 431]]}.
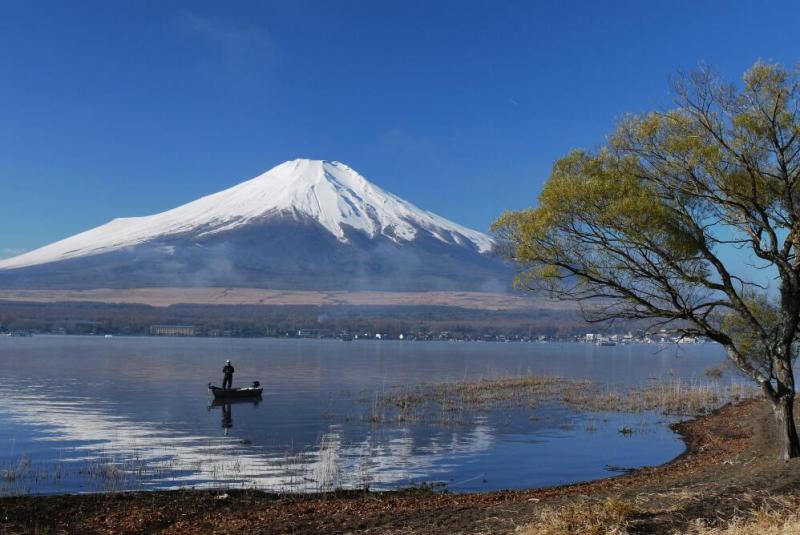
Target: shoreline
{"points": [[727, 454], [577, 340]]}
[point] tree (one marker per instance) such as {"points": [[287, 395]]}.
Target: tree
{"points": [[636, 229]]}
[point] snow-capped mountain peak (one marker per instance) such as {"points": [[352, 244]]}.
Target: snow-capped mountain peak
{"points": [[328, 192]]}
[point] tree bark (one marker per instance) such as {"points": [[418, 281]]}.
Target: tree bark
{"points": [[787, 439]]}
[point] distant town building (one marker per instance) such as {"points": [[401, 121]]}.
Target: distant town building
{"points": [[308, 333], [172, 330]]}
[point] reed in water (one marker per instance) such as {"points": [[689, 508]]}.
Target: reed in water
{"points": [[452, 402]]}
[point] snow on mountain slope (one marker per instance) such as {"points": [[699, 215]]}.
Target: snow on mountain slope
{"points": [[331, 193]]}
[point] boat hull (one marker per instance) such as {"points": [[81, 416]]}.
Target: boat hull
{"points": [[247, 392]]}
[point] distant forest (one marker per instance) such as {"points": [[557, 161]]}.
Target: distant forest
{"points": [[283, 320]]}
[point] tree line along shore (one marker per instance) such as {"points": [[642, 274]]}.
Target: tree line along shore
{"points": [[411, 321]]}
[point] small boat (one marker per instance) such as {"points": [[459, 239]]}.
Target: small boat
{"points": [[253, 391]]}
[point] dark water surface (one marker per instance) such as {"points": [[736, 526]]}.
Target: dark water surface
{"points": [[90, 414]]}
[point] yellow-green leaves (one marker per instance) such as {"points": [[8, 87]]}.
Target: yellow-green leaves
{"points": [[739, 327], [640, 222], [591, 199]]}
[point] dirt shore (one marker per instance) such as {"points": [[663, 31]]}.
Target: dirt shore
{"points": [[729, 467]]}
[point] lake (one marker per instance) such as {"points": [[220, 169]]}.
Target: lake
{"points": [[85, 414]]}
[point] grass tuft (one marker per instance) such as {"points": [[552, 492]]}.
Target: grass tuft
{"points": [[584, 517], [779, 515]]}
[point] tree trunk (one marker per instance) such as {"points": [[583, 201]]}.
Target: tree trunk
{"points": [[788, 442]]}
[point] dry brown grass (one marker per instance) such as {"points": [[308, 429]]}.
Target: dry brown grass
{"points": [[486, 392], [454, 402], [584, 517], [779, 515], [716, 372], [773, 515], [677, 397]]}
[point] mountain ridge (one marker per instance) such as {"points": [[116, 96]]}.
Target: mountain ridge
{"points": [[304, 224], [330, 192]]}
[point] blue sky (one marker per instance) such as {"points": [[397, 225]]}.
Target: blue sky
{"points": [[111, 109]]}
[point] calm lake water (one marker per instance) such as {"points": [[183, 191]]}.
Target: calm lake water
{"points": [[80, 414]]}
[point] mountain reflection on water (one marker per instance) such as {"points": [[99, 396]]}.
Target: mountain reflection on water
{"points": [[82, 414]]}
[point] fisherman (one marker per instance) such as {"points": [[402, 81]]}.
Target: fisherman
{"points": [[227, 371]]}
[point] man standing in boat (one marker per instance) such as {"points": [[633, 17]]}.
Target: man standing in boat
{"points": [[227, 371]]}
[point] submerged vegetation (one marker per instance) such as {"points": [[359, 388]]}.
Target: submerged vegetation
{"points": [[320, 468], [674, 398], [723, 485], [453, 402], [315, 469]]}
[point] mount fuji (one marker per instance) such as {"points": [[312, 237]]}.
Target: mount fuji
{"points": [[303, 225]]}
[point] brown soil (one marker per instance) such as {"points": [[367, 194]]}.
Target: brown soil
{"points": [[162, 297], [728, 466]]}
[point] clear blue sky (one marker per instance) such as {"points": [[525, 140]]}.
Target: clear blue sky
{"points": [[111, 109]]}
